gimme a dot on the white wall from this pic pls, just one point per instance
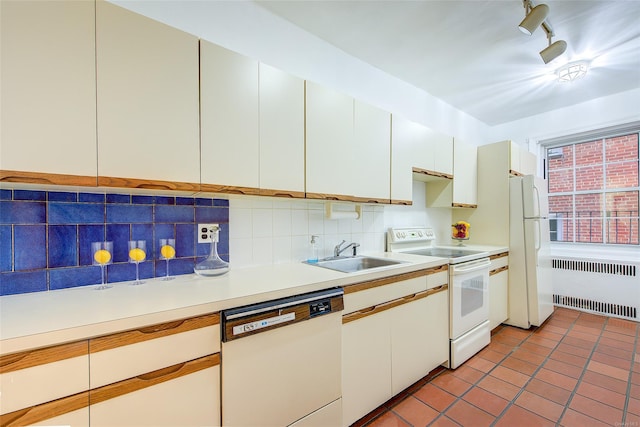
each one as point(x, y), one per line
point(266, 230)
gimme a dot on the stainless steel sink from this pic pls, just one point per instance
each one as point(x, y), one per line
point(355, 263)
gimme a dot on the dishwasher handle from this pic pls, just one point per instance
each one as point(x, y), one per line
point(257, 318)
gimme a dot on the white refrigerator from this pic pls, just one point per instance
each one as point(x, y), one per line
point(530, 286)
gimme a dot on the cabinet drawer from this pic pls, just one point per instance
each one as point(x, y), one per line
point(381, 294)
point(438, 279)
point(128, 354)
point(499, 261)
point(32, 377)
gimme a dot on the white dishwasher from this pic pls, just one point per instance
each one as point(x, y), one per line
point(281, 362)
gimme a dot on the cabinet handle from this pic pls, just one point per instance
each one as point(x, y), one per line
point(45, 411)
point(161, 327)
point(31, 358)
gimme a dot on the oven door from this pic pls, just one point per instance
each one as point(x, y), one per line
point(469, 295)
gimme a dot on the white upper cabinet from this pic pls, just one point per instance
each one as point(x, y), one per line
point(281, 132)
point(329, 143)
point(372, 153)
point(230, 152)
point(48, 118)
point(522, 161)
point(465, 174)
point(417, 148)
point(147, 90)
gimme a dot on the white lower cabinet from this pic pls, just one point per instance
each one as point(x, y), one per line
point(187, 400)
point(395, 340)
point(419, 338)
point(498, 290)
point(45, 386)
point(162, 375)
point(366, 365)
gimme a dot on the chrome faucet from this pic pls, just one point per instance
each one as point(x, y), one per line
point(339, 249)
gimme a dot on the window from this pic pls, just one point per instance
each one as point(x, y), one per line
point(594, 190)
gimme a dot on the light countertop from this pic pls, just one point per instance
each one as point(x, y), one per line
point(40, 319)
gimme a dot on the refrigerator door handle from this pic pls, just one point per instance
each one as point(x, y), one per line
point(537, 212)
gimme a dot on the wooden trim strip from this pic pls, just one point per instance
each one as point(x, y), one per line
point(229, 189)
point(431, 173)
point(282, 193)
point(498, 270)
point(349, 289)
point(371, 200)
point(46, 411)
point(370, 311)
point(151, 332)
point(150, 379)
point(109, 181)
point(500, 255)
point(31, 358)
point(325, 196)
point(464, 205)
point(47, 178)
point(515, 173)
point(402, 202)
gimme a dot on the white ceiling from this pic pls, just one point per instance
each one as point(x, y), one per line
point(471, 54)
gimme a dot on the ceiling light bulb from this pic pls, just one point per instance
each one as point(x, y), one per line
point(572, 71)
point(552, 51)
point(533, 19)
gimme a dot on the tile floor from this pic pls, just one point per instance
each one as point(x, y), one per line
point(578, 369)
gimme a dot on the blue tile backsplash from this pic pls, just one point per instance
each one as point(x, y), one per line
point(45, 236)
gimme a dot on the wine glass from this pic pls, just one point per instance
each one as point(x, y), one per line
point(137, 254)
point(102, 256)
point(167, 252)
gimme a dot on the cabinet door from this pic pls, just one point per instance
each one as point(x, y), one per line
point(406, 153)
point(330, 167)
point(147, 99)
point(465, 180)
point(45, 385)
point(498, 291)
point(419, 338)
point(229, 118)
point(372, 151)
point(189, 400)
point(48, 117)
point(441, 146)
point(281, 132)
point(366, 365)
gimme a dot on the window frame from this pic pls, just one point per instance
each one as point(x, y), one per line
point(585, 137)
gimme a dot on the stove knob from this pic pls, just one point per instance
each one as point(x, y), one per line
point(419, 233)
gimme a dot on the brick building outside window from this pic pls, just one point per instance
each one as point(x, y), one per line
point(594, 190)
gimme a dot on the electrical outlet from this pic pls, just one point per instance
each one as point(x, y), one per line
point(205, 232)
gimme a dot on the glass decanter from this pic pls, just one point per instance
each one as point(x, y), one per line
point(213, 265)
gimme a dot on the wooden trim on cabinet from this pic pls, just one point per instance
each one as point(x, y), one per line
point(47, 178)
point(464, 205)
point(120, 339)
point(325, 196)
point(499, 270)
point(515, 173)
point(500, 255)
point(431, 173)
point(371, 200)
point(402, 202)
point(229, 189)
point(348, 289)
point(369, 311)
point(31, 358)
point(146, 184)
point(150, 379)
point(45, 411)
point(282, 193)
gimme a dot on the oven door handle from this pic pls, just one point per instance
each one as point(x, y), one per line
point(468, 267)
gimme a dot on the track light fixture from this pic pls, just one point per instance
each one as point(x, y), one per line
point(534, 16)
point(554, 49)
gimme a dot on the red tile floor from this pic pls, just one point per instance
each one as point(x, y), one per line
point(577, 369)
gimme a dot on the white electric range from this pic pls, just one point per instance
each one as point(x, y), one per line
point(469, 329)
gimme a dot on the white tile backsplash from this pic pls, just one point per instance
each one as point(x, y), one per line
point(265, 230)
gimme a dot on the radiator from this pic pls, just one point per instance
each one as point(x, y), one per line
point(597, 286)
